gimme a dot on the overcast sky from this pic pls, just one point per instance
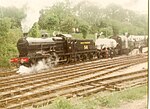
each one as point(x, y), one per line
point(136, 5)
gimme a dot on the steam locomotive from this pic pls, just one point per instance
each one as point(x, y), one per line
point(63, 48)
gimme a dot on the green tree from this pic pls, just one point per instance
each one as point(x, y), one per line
point(63, 17)
point(115, 30)
point(106, 31)
point(8, 47)
point(5, 24)
point(35, 32)
point(52, 21)
point(15, 14)
point(84, 28)
point(56, 16)
point(68, 24)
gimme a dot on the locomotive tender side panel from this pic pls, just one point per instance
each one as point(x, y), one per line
point(85, 45)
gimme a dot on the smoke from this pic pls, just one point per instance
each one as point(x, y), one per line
point(32, 9)
point(31, 18)
point(39, 67)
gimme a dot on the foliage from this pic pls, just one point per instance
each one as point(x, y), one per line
point(80, 36)
point(8, 48)
point(84, 30)
point(15, 14)
point(68, 24)
point(106, 31)
point(5, 25)
point(57, 18)
point(115, 99)
point(62, 103)
point(101, 100)
point(10, 22)
point(89, 18)
point(34, 31)
point(115, 30)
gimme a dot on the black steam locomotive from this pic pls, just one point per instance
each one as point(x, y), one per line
point(61, 48)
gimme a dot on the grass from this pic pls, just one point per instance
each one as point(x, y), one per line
point(115, 99)
point(103, 99)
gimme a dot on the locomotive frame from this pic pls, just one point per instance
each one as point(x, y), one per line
point(64, 49)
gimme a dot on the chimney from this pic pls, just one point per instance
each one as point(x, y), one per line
point(25, 34)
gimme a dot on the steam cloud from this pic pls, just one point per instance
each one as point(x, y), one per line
point(34, 69)
point(32, 11)
point(40, 66)
point(31, 18)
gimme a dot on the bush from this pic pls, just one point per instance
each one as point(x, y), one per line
point(62, 103)
point(8, 47)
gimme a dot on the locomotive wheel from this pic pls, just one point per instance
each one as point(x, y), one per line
point(84, 57)
point(98, 55)
point(90, 56)
point(78, 58)
point(54, 59)
point(68, 59)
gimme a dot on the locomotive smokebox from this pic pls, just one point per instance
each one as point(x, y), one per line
point(25, 34)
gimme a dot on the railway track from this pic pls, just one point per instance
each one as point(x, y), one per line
point(70, 67)
point(20, 91)
point(54, 74)
point(8, 73)
point(13, 72)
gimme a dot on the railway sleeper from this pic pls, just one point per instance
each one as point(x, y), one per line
point(60, 93)
point(24, 98)
point(110, 87)
point(47, 101)
point(104, 79)
point(77, 92)
point(95, 84)
point(30, 102)
point(41, 104)
point(126, 79)
point(28, 89)
point(131, 56)
point(93, 89)
point(14, 93)
point(74, 92)
point(12, 101)
point(11, 79)
point(131, 84)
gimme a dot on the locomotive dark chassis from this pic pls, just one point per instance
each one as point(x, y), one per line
point(61, 49)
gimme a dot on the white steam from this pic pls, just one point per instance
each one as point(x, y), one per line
point(31, 18)
point(32, 10)
point(39, 67)
point(34, 69)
